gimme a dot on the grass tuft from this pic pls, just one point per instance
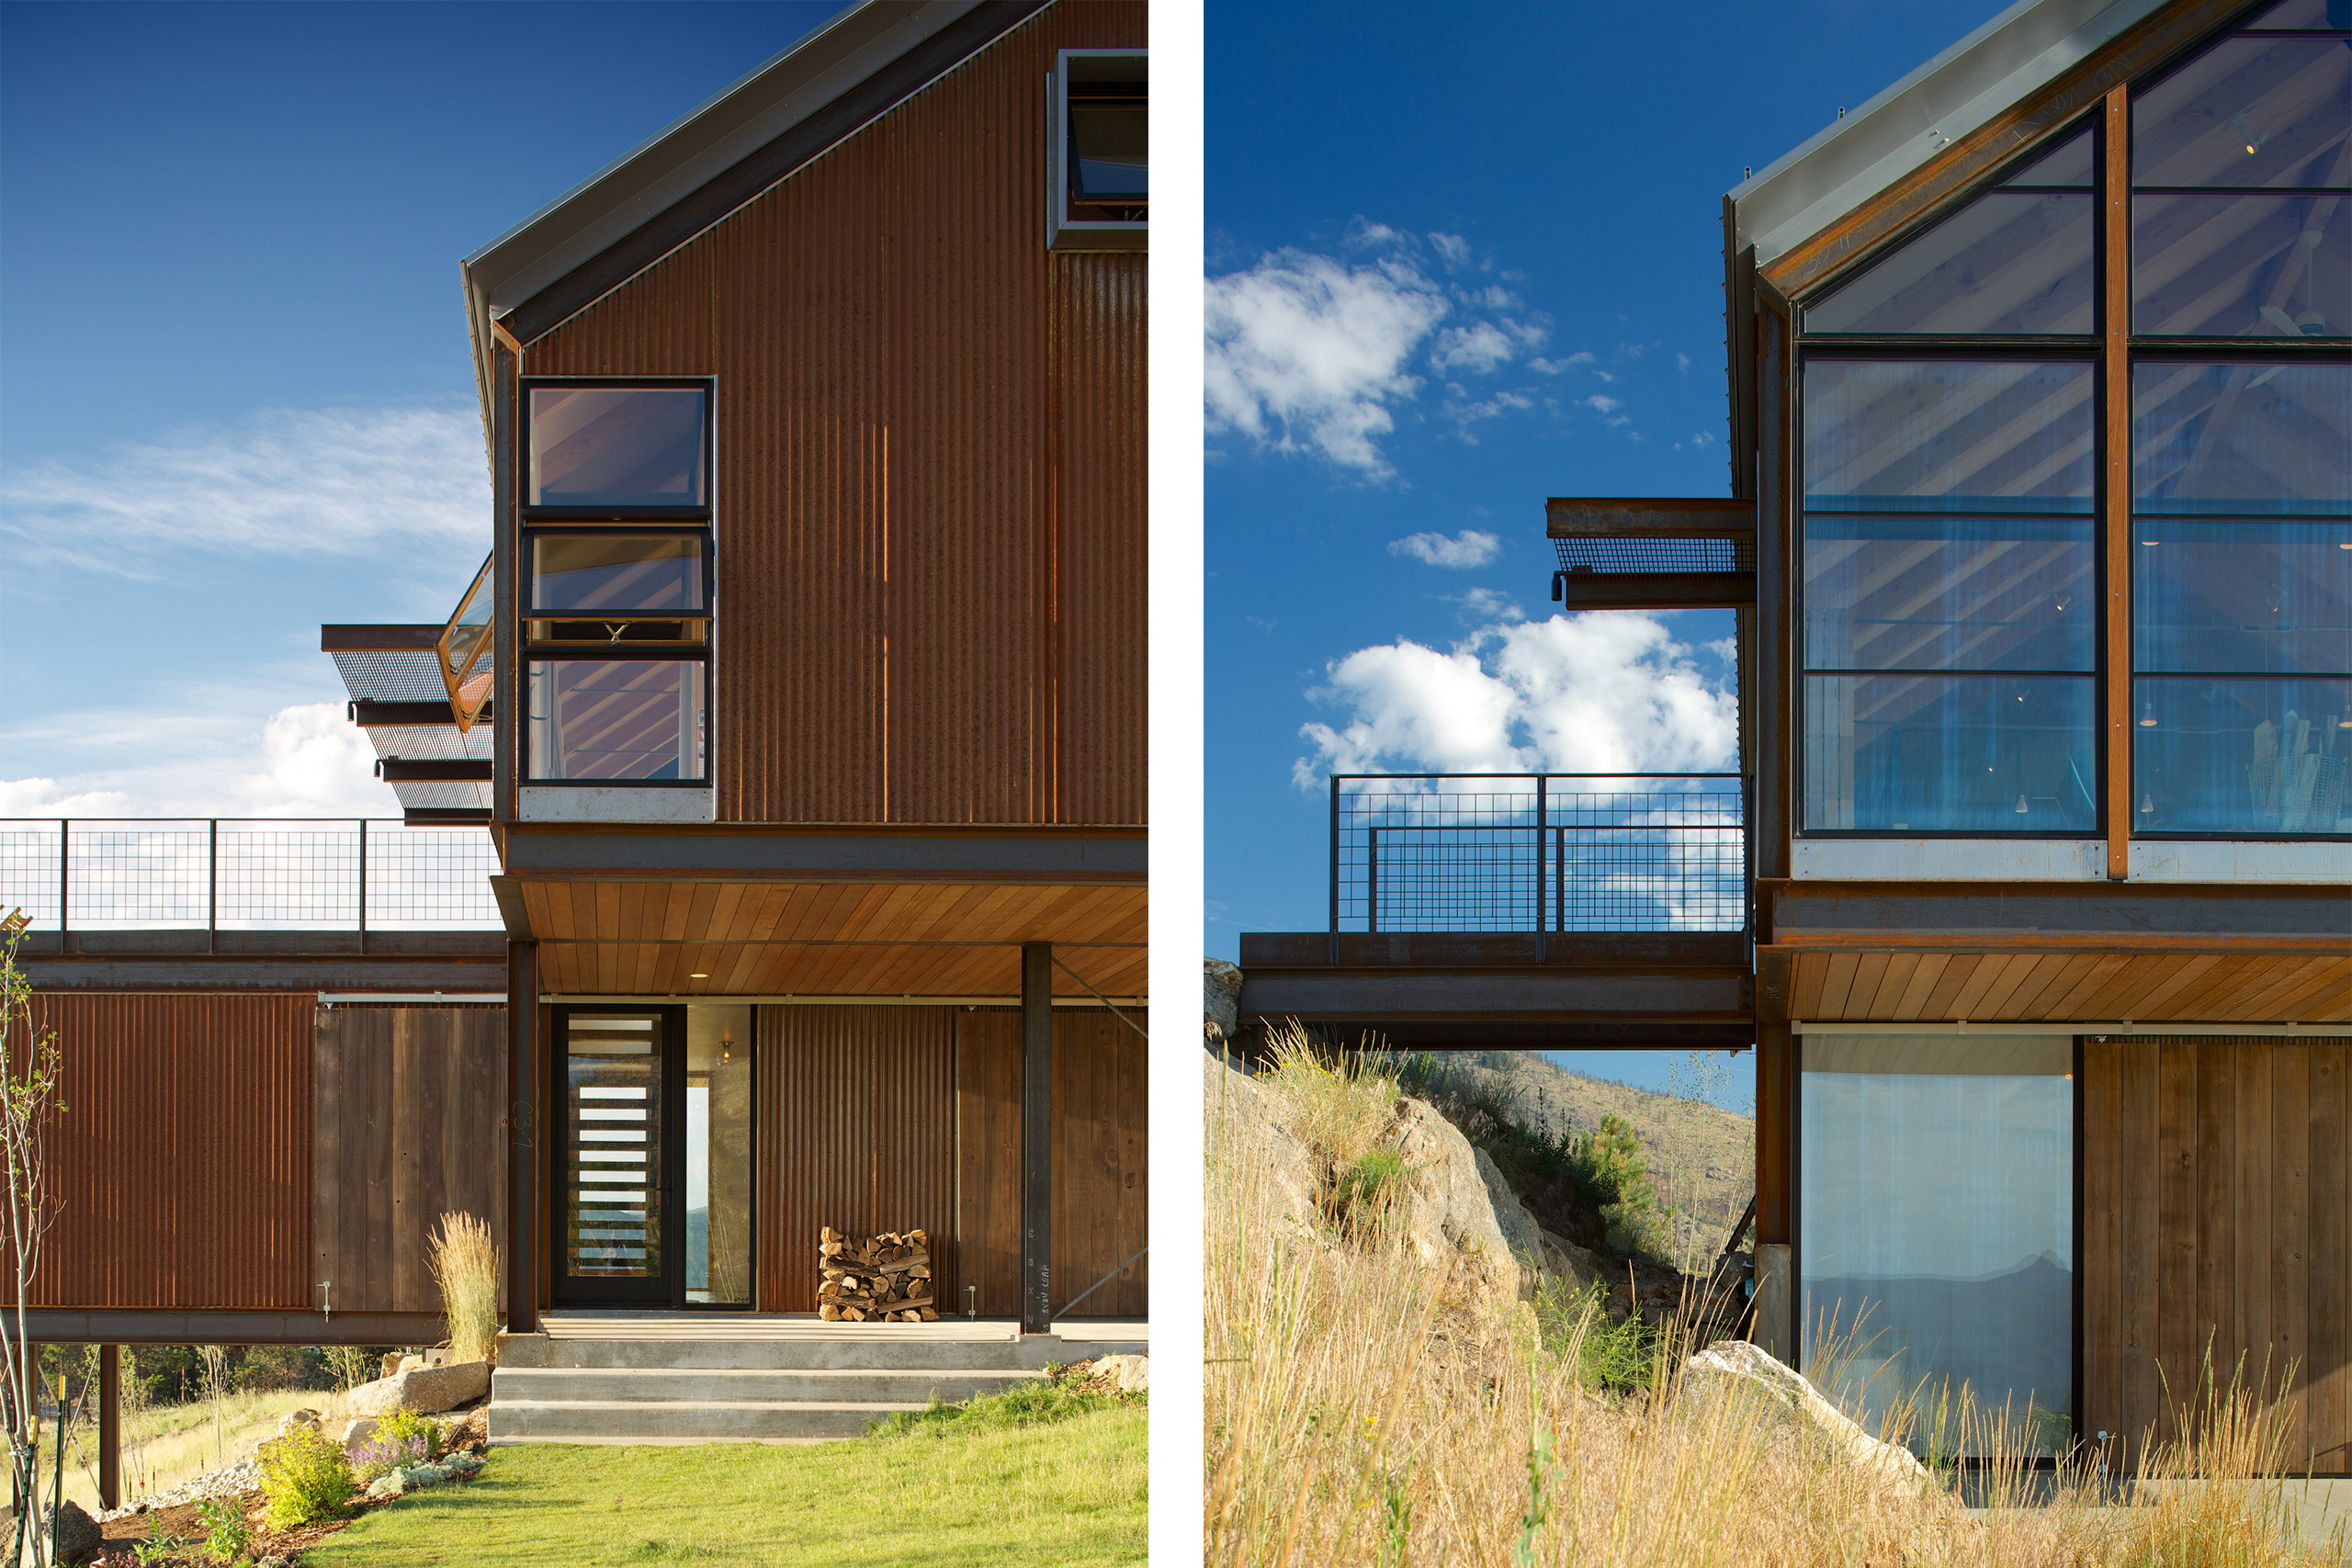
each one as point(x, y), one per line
point(465, 1265)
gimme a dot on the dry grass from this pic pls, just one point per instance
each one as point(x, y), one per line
point(465, 1265)
point(165, 1445)
point(1357, 1416)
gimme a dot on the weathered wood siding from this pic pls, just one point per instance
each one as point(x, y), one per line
point(410, 1109)
point(2217, 1213)
point(1100, 1141)
point(988, 1160)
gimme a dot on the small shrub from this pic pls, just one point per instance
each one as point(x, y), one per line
point(1611, 1169)
point(305, 1478)
point(1036, 1403)
point(1366, 1185)
point(406, 1426)
point(1613, 1358)
point(380, 1456)
point(227, 1537)
point(465, 1265)
point(158, 1548)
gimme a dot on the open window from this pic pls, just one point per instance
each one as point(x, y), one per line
point(611, 587)
point(464, 652)
point(1097, 169)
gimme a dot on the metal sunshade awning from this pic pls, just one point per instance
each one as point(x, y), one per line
point(384, 665)
point(1647, 553)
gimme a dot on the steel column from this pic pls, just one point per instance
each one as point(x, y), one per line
point(522, 1140)
point(110, 1425)
point(1036, 1136)
point(2115, 373)
point(363, 885)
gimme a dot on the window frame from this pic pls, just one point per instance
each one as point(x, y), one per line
point(528, 512)
point(1064, 233)
point(657, 653)
point(530, 612)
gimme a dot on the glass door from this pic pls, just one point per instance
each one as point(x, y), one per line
point(619, 1202)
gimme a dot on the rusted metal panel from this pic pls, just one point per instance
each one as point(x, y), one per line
point(929, 496)
point(857, 1131)
point(184, 1160)
point(1101, 1194)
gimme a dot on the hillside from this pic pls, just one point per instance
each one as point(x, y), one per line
point(1701, 1157)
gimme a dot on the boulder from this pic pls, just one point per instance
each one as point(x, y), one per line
point(293, 1419)
point(420, 1388)
point(358, 1431)
point(1131, 1373)
point(1442, 1207)
point(1240, 1115)
point(1736, 1363)
point(1220, 1000)
point(78, 1535)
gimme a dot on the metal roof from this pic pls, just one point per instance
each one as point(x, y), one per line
point(1851, 159)
point(674, 163)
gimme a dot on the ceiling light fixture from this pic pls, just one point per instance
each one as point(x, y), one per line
point(2021, 805)
point(2148, 715)
point(698, 974)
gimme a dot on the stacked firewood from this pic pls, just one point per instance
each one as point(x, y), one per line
point(869, 1278)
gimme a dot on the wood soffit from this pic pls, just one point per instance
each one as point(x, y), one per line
point(1918, 197)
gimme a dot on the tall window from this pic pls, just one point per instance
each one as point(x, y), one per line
point(617, 581)
point(2242, 434)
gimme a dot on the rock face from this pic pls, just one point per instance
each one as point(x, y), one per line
point(296, 1418)
point(1575, 1266)
point(78, 1535)
point(1131, 1372)
point(1220, 1000)
point(1238, 1109)
point(422, 1388)
point(1736, 1363)
point(358, 1431)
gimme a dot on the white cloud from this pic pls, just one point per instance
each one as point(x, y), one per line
point(45, 797)
point(201, 758)
point(1600, 692)
point(1470, 549)
point(337, 482)
point(1306, 353)
point(1478, 348)
point(1453, 248)
point(1560, 366)
point(1601, 403)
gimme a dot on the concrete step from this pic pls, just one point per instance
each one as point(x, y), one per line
point(660, 1385)
point(632, 1421)
point(1031, 1353)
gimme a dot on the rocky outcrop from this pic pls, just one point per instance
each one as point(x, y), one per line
point(1240, 1115)
point(420, 1388)
point(79, 1539)
point(1537, 1249)
point(1734, 1364)
point(1220, 1000)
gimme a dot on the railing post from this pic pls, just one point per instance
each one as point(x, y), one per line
point(1371, 880)
point(1542, 871)
point(363, 885)
point(1334, 937)
point(211, 882)
point(64, 858)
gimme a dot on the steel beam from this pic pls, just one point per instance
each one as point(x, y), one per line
point(1558, 996)
point(2140, 916)
point(737, 852)
point(1655, 590)
point(1494, 949)
point(143, 1326)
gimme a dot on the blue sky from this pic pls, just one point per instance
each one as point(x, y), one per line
point(235, 398)
point(1462, 260)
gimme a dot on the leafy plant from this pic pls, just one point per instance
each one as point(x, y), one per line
point(1610, 1166)
point(380, 1456)
point(465, 1265)
point(411, 1426)
point(1365, 1186)
point(1609, 1357)
point(158, 1548)
point(305, 1478)
point(227, 1537)
point(32, 1073)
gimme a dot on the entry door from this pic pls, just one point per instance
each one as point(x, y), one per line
point(621, 1221)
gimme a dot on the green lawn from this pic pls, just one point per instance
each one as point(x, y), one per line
point(1070, 1492)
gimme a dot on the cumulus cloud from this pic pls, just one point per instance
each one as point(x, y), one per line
point(1478, 348)
point(1469, 548)
point(1307, 354)
point(1601, 403)
point(198, 758)
point(335, 482)
point(1603, 692)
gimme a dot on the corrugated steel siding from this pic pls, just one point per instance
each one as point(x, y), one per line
point(930, 474)
point(183, 1156)
point(857, 1131)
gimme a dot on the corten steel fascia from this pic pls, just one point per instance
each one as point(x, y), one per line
point(1598, 995)
point(433, 770)
point(735, 852)
point(189, 942)
point(1493, 950)
point(104, 1325)
point(1648, 517)
point(678, 183)
point(1656, 589)
point(1521, 1035)
point(424, 977)
point(375, 713)
point(2205, 917)
point(349, 639)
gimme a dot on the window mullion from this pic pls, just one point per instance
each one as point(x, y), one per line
point(2115, 321)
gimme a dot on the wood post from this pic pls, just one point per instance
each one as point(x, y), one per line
point(1775, 1129)
point(522, 1136)
point(110, 1425)
point(1036, 1136)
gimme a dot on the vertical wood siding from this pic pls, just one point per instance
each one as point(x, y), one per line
point(857, 1131)
point(988, 1160)
point(1099, 1142)
point(183, 1160)
point(2215, 1204)
point(410, 1108)
point(930, 488)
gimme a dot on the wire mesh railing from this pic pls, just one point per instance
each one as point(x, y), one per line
point(1548, 853)
point(231, 874)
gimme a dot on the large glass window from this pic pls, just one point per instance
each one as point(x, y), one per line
point(610, 449)
point(1949, 602)
point(1936, 1228)
point(718, 1155)
point(616, 720)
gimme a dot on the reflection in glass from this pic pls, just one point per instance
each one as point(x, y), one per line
point(1948, 435)
point(2241, 265)
point(1937, 1190)
point(2250, 597)
point(2312, 15)
point(1110, 150)
point(2068, 164)
point(2005, 262)
point(1996, 754)
point(613, 1123)
point(718, 1154)
point(616, 447)
point(2249, 112)
point(617, 572)
point(2217, 755)
point(2241, 437)
point(463, 650)
point(616, 719)
point(1912, 593)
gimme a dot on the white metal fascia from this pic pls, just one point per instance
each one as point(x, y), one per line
point(679, 160)
point(1849, 162)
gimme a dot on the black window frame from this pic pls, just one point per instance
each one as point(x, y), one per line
point(1078, 68)
point(639, 653)
point(532, 612)
point(528, 512)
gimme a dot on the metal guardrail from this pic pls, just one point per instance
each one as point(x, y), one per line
point(1544, 853)
point(246, 873)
